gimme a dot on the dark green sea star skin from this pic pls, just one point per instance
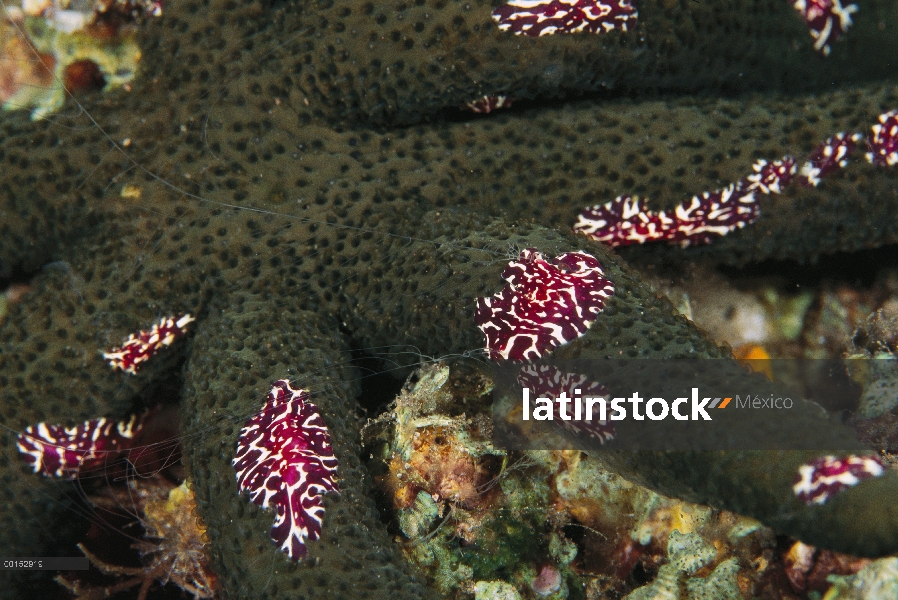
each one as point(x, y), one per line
point(362, 237)
point(398, 61)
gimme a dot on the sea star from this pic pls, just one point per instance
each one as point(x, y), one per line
point(234, 183)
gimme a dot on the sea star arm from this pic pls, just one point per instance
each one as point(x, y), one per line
point(245, 344)
point(232, 114)
point(635, 322)
point(399, 63)
point(52, 371)
point(450, 258)
point(860, 520)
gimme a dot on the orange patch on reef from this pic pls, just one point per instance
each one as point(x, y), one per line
point(442, 467)
point(756, 358)
point(809, 569)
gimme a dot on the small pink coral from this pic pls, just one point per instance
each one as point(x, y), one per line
point(547, 17)
point(284, 460)
point(547, 582)
point(883, 140)
point(823, 478)
point(827, 20)
point(545, 304)
point(67, 452)
point(142, 346)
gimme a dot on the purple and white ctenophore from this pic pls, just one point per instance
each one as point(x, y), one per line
point(626, 220)
point(143, 345)
point(548, 17)
point(285, 461)
point(545, 304)
point(67, 452)
point(827, 20)
point(824, 477)
point(547, 381)
point(883, 140)
point(828, 157)
point(714, 214)
point(487, 104)
point(771, 177)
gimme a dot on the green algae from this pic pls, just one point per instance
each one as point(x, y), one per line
point(527, 512)
point(416, 522)
point(675, 580)
point(117, 59)
point(495, 590)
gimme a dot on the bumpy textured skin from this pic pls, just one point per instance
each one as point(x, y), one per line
point(397, 61)
point(566, 159)
point(253, 339)
point(368, 231)
point(758, 484)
